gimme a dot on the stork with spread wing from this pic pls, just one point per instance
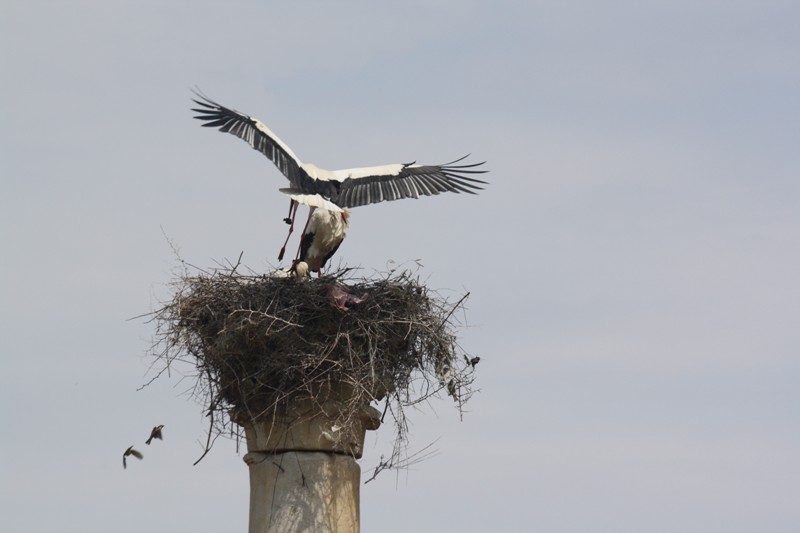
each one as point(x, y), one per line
point(337, 190)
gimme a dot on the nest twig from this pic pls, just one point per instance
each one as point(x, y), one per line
point(259, 344)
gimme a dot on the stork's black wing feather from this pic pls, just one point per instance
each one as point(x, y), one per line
point(305, 244)
point(257, 135)
point(409, 181)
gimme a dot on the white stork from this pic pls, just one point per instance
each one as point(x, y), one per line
point(332, 191)
point(325, 231)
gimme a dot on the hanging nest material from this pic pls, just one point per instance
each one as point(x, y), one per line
point(261, 344)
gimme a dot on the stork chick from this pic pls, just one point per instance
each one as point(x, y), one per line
point(301, 270)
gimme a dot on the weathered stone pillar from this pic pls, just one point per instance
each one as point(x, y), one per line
point(303, 471)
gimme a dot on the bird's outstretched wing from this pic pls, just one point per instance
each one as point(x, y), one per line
point(346, 188)
point(259, 136)
point(362, 186)
point(130, 451)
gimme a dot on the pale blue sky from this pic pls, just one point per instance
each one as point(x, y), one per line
point(633, 264)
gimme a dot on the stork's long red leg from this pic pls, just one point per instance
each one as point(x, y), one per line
point(289, 220)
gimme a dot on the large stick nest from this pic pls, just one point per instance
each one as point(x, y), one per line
point(260, 343)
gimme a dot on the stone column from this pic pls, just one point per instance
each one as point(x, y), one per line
point(303, 471)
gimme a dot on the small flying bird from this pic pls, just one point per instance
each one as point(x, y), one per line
point(338, 189)
point(472, 362)
point(130, 451)
point(155, 434)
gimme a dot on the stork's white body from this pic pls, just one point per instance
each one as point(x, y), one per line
point(324, 233)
